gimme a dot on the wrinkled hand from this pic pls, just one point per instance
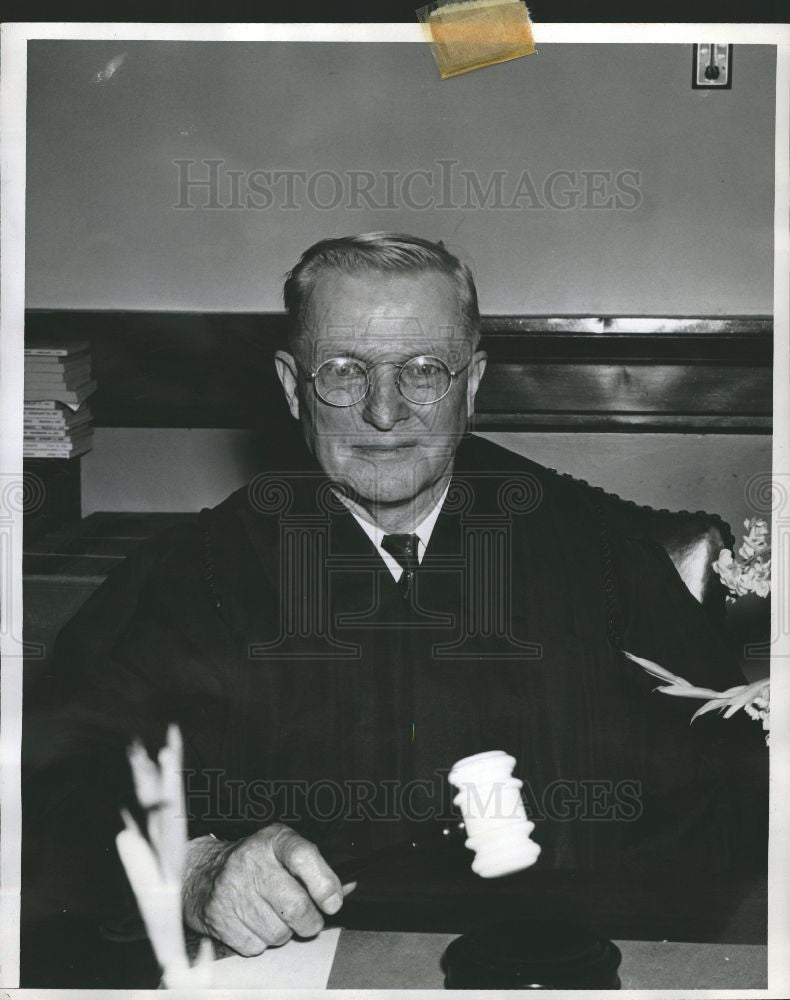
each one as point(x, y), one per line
point(259, 891)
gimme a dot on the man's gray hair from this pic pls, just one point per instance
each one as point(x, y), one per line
point(381, 251)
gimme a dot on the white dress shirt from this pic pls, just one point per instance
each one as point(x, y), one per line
point(423, 531)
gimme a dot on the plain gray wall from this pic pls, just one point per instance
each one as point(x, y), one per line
point(181, 469)
point(103, 231)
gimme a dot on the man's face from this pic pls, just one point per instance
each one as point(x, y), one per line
point(385, 448)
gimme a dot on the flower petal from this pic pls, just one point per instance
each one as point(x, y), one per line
point(657, 671)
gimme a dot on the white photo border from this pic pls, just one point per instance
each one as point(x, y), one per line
point(13, 90)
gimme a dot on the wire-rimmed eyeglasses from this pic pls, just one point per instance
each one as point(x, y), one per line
point(344, 381)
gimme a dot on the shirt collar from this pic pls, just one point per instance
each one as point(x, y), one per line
point(423, 531)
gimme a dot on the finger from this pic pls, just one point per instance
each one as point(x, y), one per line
point(235, 933)
point(292, 904)
point(245, 942)
point(239, 914)
point(260, 917)
point(303, 859)
point(349, 887)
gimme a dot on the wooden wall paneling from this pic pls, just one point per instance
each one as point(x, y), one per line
point(214, 370)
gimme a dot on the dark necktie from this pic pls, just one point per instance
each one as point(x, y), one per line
point(403, 549)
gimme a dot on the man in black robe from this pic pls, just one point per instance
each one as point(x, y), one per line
point(332, 638)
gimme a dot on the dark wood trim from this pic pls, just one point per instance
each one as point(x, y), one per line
point(550, 373)
point(630, 325)
point(627, 340)
point(666, 423)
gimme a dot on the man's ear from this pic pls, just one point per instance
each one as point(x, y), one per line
point(476, 369)
point(288, 374)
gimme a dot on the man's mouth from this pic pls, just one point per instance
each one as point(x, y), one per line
point(384, 449)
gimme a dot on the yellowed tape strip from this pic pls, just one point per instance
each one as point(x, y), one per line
point(477, 33)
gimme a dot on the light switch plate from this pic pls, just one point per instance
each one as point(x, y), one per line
point(712, 66)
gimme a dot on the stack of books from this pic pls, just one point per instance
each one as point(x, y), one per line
point(57, 421)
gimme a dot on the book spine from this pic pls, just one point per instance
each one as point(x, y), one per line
point(55, 436)
point(40, 404)
point(72, 358)
point(36, 393)
point(69, 398)
point(50, 409)
point(55, 385)
point(55, 365)
point(50, 453)
point(32, 422)
point(69, 385)
point(64, 351)
point(72, 371)
point(65, 447)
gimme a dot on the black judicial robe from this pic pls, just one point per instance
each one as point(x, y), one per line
point(308, 690)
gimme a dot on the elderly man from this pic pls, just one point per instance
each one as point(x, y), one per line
point(403, 594)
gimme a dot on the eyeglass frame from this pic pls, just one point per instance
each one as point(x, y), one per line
point(453, 373)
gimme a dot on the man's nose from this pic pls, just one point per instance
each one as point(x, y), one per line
point(384, 405)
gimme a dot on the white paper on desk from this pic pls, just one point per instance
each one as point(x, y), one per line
point(295, 965)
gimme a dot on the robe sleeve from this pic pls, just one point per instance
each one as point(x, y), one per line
point(146, 649)
point(707, 779)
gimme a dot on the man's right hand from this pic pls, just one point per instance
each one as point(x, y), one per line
point(259, 891)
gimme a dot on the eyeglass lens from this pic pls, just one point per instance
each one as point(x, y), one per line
point(344, 381)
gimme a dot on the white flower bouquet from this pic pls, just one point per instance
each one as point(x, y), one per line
point(750, 571)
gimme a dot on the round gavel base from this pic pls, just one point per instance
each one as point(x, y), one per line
point(531, 954)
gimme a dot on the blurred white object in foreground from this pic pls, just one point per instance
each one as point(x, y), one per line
point(489, 798)
point(154, 864)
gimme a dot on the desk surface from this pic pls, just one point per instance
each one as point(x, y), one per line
point(399, 960)
point(675, 932)
point(437, 892)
